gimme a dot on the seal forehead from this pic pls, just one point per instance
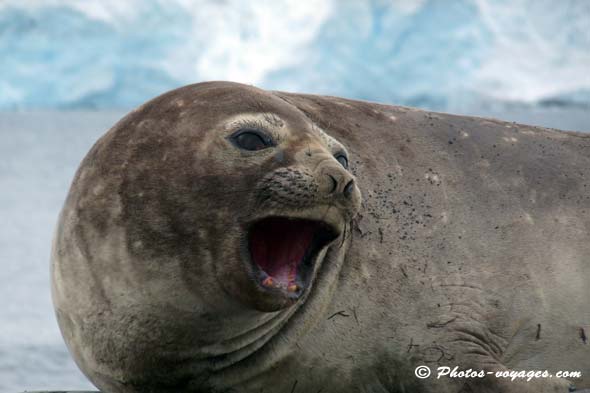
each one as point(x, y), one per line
point(233, 99)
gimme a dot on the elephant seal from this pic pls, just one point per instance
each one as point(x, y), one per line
point(216, 240)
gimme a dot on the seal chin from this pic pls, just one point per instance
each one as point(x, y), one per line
point(282, 253)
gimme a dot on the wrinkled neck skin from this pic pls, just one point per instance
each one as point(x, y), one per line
point(259, 339)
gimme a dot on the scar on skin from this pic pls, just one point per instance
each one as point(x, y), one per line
point(355, 316)
point(341, 313)
point(412, 345)
point(403, 271)
point(437, 325)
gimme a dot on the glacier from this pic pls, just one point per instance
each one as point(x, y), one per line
point(442, 55)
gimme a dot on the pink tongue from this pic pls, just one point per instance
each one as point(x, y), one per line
point(278, 246)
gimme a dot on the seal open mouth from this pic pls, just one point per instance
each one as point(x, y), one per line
point(283, 252)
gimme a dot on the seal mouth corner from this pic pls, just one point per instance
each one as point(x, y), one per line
point(283, 252)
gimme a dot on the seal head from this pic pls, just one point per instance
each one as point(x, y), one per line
point(250, 182)
point(191, 223)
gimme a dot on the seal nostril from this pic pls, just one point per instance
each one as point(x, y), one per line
point(348, 189)
point(334, 183)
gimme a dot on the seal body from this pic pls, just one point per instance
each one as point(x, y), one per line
point(215, 239)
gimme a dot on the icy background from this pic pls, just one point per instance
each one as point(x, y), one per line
point(445, 55)
point(70, 69)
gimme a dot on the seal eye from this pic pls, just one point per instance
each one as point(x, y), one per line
point(251, 139)
point(341, 158)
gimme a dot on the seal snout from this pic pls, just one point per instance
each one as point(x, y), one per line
point(341, 185)
point(283, 251)
point(337, 185)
